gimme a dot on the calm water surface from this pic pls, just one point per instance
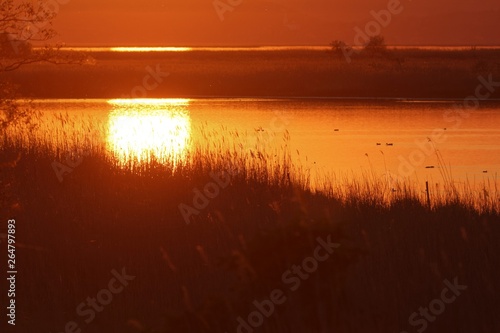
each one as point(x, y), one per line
point(401, 138)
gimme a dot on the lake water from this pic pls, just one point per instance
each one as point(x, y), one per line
point(399, 138)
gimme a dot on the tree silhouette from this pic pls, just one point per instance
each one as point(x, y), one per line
point(23, 23)
point(376, 45)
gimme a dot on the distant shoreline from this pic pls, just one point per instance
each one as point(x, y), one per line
point(298, 98)
point(295, 73)
point(401, 47)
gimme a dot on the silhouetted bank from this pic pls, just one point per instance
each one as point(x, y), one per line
point(291, 73)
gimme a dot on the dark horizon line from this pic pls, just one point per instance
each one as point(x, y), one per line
point(268, 98)
point(267, 45)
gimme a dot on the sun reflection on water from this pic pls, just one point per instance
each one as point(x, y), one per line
point(140, 130)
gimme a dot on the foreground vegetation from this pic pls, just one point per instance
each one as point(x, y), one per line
point(393, 258)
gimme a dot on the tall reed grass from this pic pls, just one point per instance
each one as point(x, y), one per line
point(395, 249)
point(253, 158)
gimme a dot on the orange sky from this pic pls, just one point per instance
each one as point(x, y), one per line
point(273, 22)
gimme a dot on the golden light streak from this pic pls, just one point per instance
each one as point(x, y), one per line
point(150, 49)
point(144, 102)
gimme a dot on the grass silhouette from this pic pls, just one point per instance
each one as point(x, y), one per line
point(395, 250)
